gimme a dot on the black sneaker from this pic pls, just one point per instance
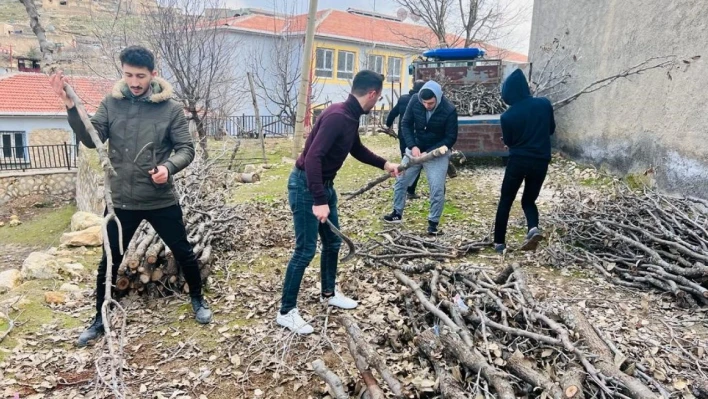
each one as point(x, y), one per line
point(412, 196)
point(393, 217)
point(532, 239)
point(500, 248)
point(433, 229)
point(94, 331)
point(202, 313)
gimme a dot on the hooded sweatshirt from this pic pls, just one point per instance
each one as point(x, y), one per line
point(528, 124)
point(429, 130)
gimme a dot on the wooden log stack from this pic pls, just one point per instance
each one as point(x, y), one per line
point(149, 266)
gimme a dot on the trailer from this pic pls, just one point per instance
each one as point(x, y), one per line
point(478, 135)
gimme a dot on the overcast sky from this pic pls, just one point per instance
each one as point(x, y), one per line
point(518, 41)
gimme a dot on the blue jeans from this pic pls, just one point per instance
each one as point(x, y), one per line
point(307, 228)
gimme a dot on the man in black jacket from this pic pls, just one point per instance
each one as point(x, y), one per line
point(430, 122)
point(527, 127)
point(399, 110)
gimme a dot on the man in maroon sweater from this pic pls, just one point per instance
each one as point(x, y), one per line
point(313, 199)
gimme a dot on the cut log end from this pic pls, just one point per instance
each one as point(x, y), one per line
point(122, 284)
point(248, 177)
point(571, 391)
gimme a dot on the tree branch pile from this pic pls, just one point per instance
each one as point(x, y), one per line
point(212, 225)
point(400, 250)
point(477, 99)
point(639, 240)
point(483, 334)
point(472, 99)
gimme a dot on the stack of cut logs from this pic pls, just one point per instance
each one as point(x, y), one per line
point(149, 266)
point(639, 240)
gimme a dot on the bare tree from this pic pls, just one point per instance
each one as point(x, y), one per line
point(435, 14)
point(276, 73)
point(463, 23)
point(557, 66)
point(195, 54)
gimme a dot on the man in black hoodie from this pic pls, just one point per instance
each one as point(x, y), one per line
point(399, 110)
point(527, 127)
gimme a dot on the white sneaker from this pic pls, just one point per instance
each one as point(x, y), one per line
point(294, 322)
point(340, 300)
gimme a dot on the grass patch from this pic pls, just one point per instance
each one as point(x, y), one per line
point(33, 313)
point(637, 181)
point(43, 230)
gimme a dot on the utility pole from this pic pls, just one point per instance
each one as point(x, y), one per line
point(302, 93)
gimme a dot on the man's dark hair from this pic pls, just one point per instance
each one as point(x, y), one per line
point(138, 56)
point(366, 81)
point(426, 94)
point(417, 85)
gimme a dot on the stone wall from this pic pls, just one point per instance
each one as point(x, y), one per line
point(656, 121)
point(89, 181)
point(20, 184)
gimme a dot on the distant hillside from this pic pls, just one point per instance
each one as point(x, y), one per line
point(86, 31)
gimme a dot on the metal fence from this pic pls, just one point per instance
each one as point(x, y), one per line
point(246, 126)
point(57, 156)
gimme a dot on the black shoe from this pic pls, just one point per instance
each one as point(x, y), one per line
point(433, 229)
point(412, 196)
point(202, 313)
point(532, 239)
point(393, 217)
point(94, 331)
point(500, 248)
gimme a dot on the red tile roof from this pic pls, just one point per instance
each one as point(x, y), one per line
point(345, 25)
point(30, 93)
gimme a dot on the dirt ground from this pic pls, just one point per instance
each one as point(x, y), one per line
point(244, 354)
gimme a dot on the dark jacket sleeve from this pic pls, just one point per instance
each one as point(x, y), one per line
point(407, 125)
point(182, 142)
point(507, 128)
point(553, 118)
point(99, 122)
point(363, 154)
point(320, 146)
point(395, 111)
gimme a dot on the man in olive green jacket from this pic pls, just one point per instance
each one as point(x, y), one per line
point(148, 143)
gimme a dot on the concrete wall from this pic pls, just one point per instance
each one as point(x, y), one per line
point(644, 121)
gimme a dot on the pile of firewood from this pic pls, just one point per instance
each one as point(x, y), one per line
point(213, 227)
point(480, 334)
point(638, 239)
point(475, 99)
point(472, 99)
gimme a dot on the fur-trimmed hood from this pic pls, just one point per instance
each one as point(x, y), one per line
point(161, 90)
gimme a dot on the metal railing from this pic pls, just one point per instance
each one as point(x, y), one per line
point(56, 156)
point(245, 126)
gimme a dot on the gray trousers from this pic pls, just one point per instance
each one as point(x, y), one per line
point(436, 172)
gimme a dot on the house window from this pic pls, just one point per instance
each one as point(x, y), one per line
point(323, 62)
point(375, 63)
point(394, 69)
point(345, 64)
point(12, 145)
